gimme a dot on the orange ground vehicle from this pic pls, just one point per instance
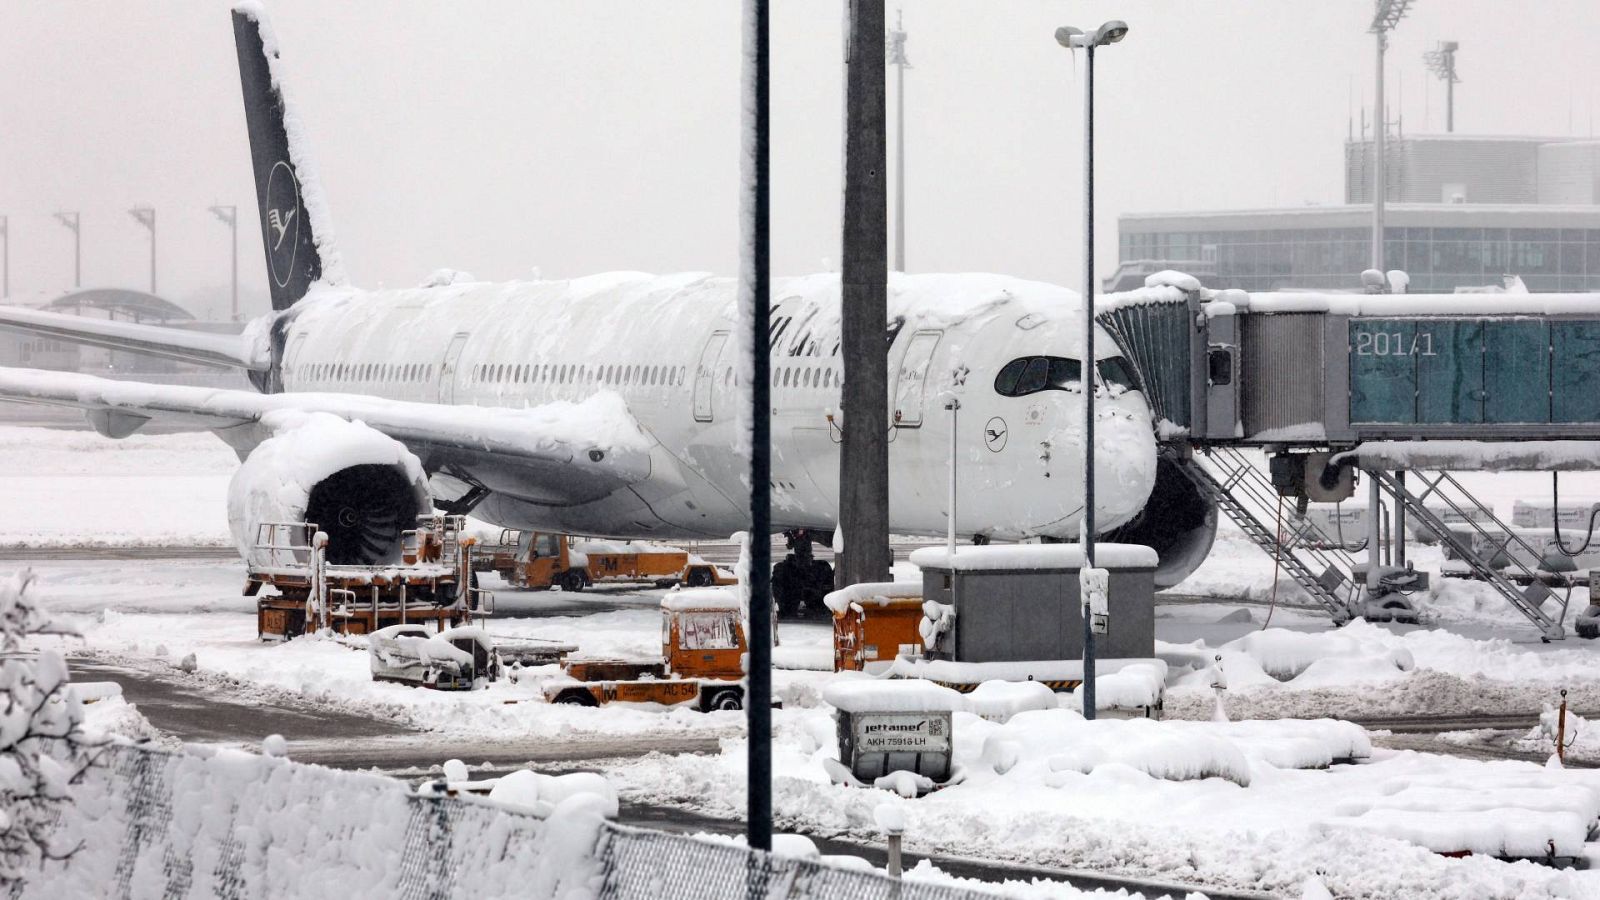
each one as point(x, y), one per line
point(432, 583)
point(703, 645)
point(540, 560)
point(874, 623)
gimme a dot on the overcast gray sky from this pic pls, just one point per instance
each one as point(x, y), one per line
point(497, 137)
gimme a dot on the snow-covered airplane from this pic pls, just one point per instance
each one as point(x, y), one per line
point(607, 404)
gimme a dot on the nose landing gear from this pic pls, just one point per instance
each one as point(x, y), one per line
point(800, 580)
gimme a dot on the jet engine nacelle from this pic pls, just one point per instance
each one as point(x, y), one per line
point(1177, 521)
point(360, 486)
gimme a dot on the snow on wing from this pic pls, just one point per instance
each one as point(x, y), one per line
point(565, 452)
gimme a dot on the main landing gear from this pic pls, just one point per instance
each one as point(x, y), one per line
point(800, 580)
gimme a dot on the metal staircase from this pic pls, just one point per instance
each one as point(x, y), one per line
point(1496, 535)
point(1240, 490)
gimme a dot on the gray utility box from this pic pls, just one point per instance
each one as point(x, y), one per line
point(894, 725)
point(873, 744)
point(1020, 602)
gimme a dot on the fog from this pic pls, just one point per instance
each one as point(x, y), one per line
point(507, 137)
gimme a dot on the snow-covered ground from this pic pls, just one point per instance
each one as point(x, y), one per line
point(1366, 830)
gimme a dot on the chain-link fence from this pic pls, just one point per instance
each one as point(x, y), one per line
point(233, 825)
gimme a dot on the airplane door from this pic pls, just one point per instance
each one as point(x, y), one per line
point(447, 368)
point(291, 359)
point(705, 375)
point(911, 378)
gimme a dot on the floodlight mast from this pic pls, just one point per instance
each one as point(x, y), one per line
point(1442, 63)
point(1386, 16)
point(1073, 39)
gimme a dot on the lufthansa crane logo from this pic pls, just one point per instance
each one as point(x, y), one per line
point(283, 222)
point(994, 434)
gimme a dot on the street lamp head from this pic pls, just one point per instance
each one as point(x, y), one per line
point(1069, 37)
point(1111, 32)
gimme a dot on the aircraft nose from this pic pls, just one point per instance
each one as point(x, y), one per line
point(1124, 464)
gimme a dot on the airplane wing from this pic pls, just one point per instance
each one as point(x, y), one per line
point(559, 453)
point(241, 351)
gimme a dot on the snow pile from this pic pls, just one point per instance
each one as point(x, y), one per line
point(1580, 737)
point(1532, 814)
point(998, 701)
point(195, 823)
point(1344, 656)
point(1135, 686)
point(549, 796)
point(1043, 745)
point(1296, 743)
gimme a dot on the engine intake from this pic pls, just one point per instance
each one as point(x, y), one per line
point(361, 487)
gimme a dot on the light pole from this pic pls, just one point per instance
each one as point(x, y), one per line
point(1442, 63)
point(70, 220)
point(146, 216)
point(1387, 15)
point(755, 288)
point(897, 58)
point(1074, 39)
point(229, 216)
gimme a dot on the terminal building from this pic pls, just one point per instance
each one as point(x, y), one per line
point(1461, 212)
point(35, 352)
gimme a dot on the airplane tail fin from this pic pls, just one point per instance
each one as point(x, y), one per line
point(294, 217)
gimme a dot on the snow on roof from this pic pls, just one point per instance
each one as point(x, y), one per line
point(687, 599)
point(1424, 304)
point(880, 592)
point(1034, 557)
point(1461, 456)
point(897, 695)
point(949, 672)
point(1170, 278)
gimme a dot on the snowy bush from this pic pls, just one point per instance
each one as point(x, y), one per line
point(43, 749)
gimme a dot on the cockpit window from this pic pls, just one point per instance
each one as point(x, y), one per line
point(1117, 375)
point(1065, 372)
point(1031, 374)
point(1005, 384)
point(1035, 377)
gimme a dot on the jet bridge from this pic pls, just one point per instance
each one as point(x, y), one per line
point(1392, 385)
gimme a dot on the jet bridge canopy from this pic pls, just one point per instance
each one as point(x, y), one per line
point(1340, 369)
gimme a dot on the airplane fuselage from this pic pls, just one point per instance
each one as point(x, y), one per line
point(669, 346)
